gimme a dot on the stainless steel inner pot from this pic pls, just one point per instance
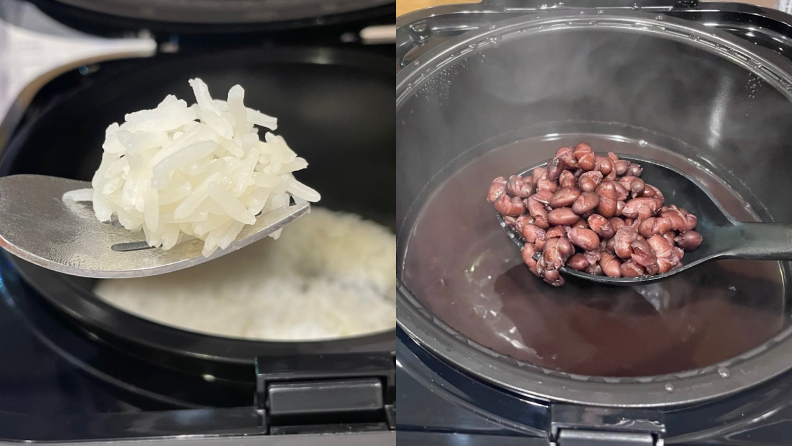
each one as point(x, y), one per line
point(491, 102)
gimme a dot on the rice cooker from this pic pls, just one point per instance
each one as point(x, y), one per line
point(77, 369)
point(490, 354)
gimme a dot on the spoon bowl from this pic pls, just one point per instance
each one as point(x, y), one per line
point(724, 237)
point(37, 225)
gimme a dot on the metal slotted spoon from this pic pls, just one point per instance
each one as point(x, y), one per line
point(65, 236)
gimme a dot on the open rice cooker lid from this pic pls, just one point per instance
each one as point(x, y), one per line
point(225, 11)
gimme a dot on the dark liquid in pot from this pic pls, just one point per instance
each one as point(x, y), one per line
point(462, 267)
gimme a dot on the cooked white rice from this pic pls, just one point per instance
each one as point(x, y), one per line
point(198, 170)
point(330, 275)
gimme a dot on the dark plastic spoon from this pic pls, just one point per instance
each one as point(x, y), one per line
point(724, 236)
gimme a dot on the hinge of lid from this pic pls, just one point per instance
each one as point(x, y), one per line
point(348, 392)
point(596, 426)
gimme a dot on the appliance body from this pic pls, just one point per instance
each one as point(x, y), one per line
point(462, 390)
point(78, 369)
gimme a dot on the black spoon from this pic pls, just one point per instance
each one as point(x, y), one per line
point(724, 237)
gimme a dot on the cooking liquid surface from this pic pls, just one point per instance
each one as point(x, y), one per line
point(464, 269)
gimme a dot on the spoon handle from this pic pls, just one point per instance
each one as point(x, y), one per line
point(757, 241)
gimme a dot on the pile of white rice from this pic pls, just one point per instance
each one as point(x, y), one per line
point(330, 275)
point(198, 170)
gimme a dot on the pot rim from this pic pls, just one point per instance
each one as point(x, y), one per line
point(691, 386)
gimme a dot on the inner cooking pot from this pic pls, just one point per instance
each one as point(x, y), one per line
point(490, 103)
point(332, 108)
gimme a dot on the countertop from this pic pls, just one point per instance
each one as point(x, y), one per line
point(405, 6)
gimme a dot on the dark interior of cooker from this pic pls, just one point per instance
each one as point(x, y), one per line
point(511, 106)
point(332, 108)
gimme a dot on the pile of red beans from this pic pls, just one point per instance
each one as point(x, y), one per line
point(595, 214)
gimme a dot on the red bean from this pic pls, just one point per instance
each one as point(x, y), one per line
point(496, 189)
point(578, 262)
point(518, 186)
point(610, 244)
point(538, 212)
point(625, 181)
point(596, 222)
point(587, 161)
point(689, 240)
point(580, 224)
point(690, 219)
point(514, 184)
point(619, 208)
point(582, 149)
point(562, 216)
point(663, 253)
point(660, 246)
point(637, 187)
point(677, 253)
point(543, 196)
point(557, 251)
point(657, 193)
point(647, 227)
point(584, 238)
point(640, 208)
point(590, 180)
point(532, 233)
point(554, 168)
point(643, 255)
point(634, 170)
point(585, 202)
point(662, 225)
point(623, 242)
point(617, 223)
point(521, 221)
point(566, 179)
point(553, 277)
point(678, 220)
point(603, 164)
point(631, 269)
point(669, 236)
point(546, 184)
point(610, 265)
point(540, 173)
point(527, 252)
point(607, 202)
point(621, 192)
point(564, 197)
point(621, 166)
point(593, 256)
point(566, 154)
point(607, 231)
point(510, 206)
point(556, 231)
point(594, 269)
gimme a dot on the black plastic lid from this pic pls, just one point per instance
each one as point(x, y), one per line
point(201, 16)
point(223, 11)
